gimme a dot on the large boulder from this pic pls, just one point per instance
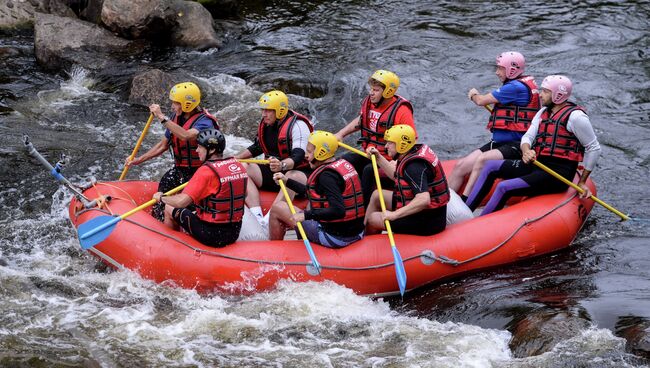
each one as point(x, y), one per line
point(152, 86)
point(151, 19)
point(20, 13)
point(60, 42)
point(195, 27)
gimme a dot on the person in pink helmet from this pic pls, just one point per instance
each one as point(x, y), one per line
point(515, 104)
point(560, 136)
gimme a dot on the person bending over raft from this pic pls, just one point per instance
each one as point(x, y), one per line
point(418, 204)
point(217, 189)
point(335, 215)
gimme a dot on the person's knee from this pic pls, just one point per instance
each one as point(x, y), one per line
point(296, 175)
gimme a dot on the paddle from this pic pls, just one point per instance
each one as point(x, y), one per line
point(623, 216)
point(399, 264)
point(253, 161)
point(96, 230)
point(300, 228)
point(350, 148)
point(137, 145)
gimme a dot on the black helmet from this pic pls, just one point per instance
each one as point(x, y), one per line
point(212, 139)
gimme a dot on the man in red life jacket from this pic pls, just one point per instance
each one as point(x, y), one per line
point(216, 193)
point(182, 128)
point(560, 136)
point(282, 137)
point(418, 204)
point(335, 215)
point(515, 104)
point(380, 110)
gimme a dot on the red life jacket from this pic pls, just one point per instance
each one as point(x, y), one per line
point(438, 190)
point(184, 152)
point(352, 194)
point(554, 140)
point(516, 118)
point(226, 204)
point(284, 137)
point(385, 122)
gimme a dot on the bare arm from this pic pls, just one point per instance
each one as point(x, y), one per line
point(388, 166)
point(352, 127)
point(180, 200)
point(419, 203)
point(244, 154)
point(181, 133)
point(479, 99)
point(155, 151)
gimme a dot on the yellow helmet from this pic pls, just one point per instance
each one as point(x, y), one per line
point(325, 144)
point(390, 81)
point(402, 135)
point(187, 94)
point(275, 100)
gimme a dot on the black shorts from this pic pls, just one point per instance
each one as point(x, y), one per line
point(427, 222)
point(170, 180)
point(267, 177)
point(210, 234)
point(510, 150)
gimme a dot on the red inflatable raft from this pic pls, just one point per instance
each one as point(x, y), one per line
point(525, 229)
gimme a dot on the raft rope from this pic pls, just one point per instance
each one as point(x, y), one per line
point(441, 258)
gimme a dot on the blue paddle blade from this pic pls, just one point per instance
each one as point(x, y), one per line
point(399, 271)
point(96, 230)
point(312, 255)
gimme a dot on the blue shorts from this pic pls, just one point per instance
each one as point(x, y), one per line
point(316, 234)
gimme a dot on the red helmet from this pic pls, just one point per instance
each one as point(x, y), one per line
point(560, 87)
point(514, 63)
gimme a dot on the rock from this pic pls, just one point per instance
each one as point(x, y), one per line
point(151, 86)
point(222, 9)
point(540, 331)
point(16, 14)
point(60, 42)
point(293, 84)
point(90, 10)
point(7, 52)
point(140, 19)
point(195, 26)
point(636, 331)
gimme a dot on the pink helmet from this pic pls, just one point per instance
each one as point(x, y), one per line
point(514, 63)
point(560, 87)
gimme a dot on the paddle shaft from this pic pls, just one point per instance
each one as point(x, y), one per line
point(623, 216)
point(253, 161)
point(355, 150)
point(129, 213)
point(310, 251)
point(382, 203)
point(137, 145)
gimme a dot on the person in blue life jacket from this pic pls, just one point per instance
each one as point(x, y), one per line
point(334, 218)
point(560, 137)
point(188, 119)
point(418, 203)
point(515, 104)
point(211, 206)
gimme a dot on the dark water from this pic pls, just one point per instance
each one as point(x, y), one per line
point(61, 309)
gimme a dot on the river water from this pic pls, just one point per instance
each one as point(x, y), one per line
point(61, 308)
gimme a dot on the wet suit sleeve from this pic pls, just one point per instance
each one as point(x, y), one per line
point(255, 149)
point(331, 185)
point(297, 187)
point(417, 175)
